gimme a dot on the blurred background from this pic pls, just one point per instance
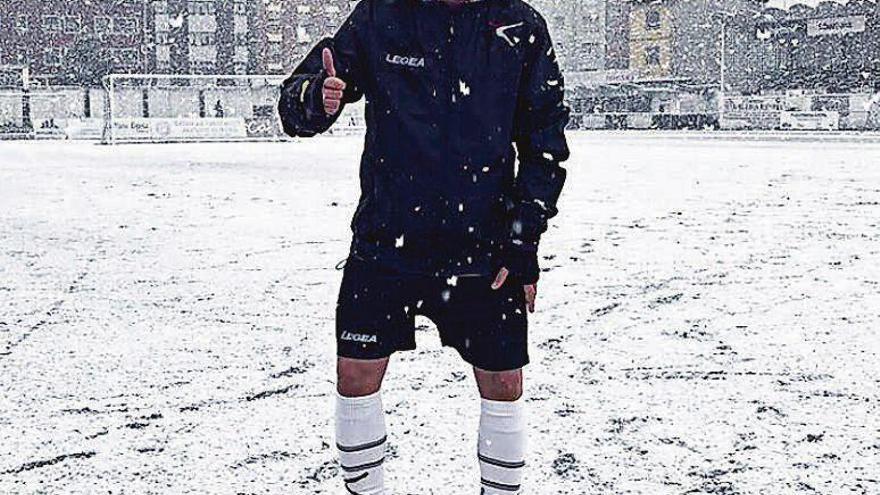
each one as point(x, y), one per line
point(89, 69)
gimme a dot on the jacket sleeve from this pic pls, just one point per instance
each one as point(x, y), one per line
point(301, 105)
point(539, 134)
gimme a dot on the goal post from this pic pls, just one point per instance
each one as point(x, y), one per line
point(184, 108)
point(194, 108)
point(15, 114)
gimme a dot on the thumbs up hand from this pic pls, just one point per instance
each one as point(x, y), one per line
point(333, 86)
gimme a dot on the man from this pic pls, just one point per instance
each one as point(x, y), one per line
point(446, 226)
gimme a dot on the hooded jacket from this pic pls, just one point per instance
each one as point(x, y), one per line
point(465, 131)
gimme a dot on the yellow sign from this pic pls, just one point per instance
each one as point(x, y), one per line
point(651, 32)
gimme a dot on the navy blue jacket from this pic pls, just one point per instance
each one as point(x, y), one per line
point(449, 91)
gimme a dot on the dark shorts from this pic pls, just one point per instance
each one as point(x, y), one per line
point(375, 316)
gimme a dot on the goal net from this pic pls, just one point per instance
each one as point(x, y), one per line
point(192, 108)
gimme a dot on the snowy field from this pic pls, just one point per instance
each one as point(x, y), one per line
point(708, 323)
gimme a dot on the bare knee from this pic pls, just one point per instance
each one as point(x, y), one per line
point(357, 377)
point(506, 386)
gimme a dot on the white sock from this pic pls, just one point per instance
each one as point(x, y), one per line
point(502, 446)
point(360, 438)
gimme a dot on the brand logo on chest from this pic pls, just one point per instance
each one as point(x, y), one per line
point(404, 60)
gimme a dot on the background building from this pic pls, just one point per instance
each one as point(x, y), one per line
point(74, 42)
point(620, 57)
point(307, 21)
point(578, 30)
point(833, 47)
point(202, 36)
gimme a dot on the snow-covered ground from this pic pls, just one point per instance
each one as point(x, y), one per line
point(708, 323)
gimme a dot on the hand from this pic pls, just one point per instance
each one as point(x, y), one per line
point(531, 290)
point(333, 86)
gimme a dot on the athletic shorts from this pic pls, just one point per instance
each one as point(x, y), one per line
point(376, 310)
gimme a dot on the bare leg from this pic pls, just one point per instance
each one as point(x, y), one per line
point(504, 386)
point(359, 377)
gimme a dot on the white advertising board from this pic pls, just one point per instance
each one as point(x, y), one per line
point(836, 25)
point(179, 129)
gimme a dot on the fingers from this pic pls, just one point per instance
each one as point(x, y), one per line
point(333, 92)
point(334, 83)
point(331, 107)
point(333, 86)
point(500, 278)
point(327, 55)
point(531, 292)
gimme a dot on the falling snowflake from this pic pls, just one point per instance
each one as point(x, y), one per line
point(517, 227)
point(399, 242)
point(464, 88)
point(452, 281)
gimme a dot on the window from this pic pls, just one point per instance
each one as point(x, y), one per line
point(652, 55)
point(160, 6)
point(125, 25)
point(239, 8)
point(274, 51)
point(102, 24)
point(202, 39)
point(72, 24)
point(126, 57)
point(302, 35)
point(652, 19)
point(202, 67)
point(241, 38)
point(52, 57)
point(53, 23)
point(201, 8)
point(21, 23)
point(163, 37)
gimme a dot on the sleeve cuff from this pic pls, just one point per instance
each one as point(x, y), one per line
point(522, 262)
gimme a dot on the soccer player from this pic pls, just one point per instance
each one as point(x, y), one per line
point(448, 222)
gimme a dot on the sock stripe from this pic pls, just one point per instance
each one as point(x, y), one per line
point(363, 467)
point(500, 486)
point(364, 446)
point(357, 478)
point(500, 463)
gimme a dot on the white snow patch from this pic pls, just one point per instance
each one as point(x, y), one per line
point(700, 283)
